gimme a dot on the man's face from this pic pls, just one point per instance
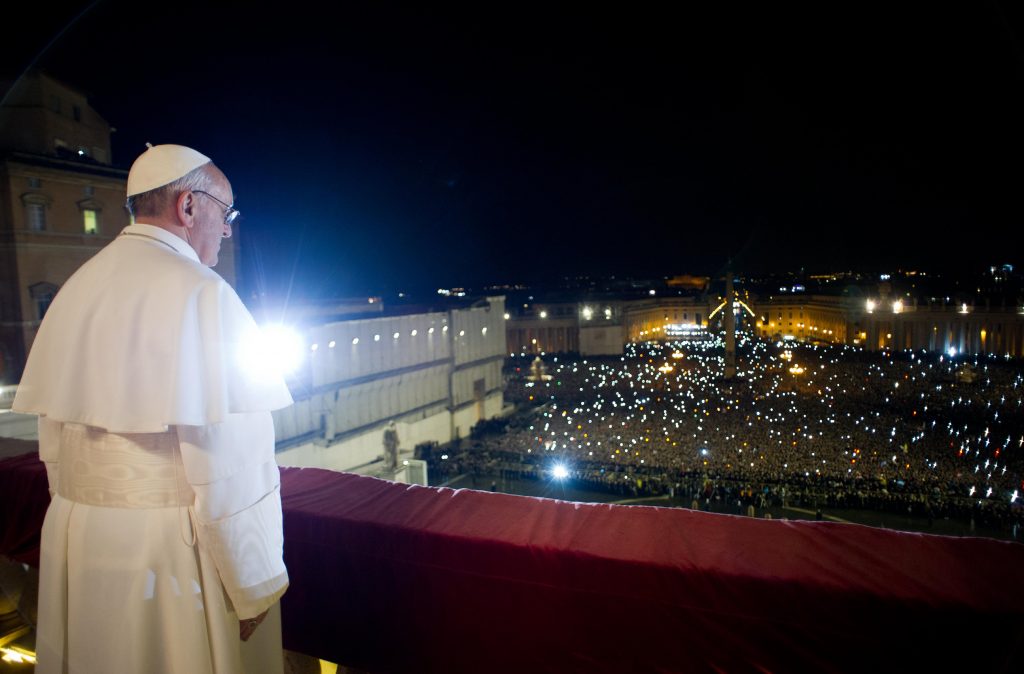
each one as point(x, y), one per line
point(209, 228)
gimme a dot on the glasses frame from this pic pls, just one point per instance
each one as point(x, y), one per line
point(230, 212)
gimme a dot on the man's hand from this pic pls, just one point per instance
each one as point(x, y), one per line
point(248, 626)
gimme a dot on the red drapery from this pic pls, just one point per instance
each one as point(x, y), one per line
point(390, 577)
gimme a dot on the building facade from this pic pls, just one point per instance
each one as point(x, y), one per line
point(434, 375)
point(602, 327)
point(61, 201)
point(808, 318)
point(882, 322)
point(874, 322)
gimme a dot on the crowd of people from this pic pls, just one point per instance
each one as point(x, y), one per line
point(805, 425)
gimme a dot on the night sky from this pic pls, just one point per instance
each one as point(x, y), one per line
point(376, 147)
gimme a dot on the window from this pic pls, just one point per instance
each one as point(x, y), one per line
point(34, 183)
point(76, 112)
point(42, 294)
point(90, 219)
point(42, 305)
point(90, 209)
point(35, 205)
point(89, 191)
point(36, 214)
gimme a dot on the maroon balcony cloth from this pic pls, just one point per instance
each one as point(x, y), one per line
point(395, 578)
point(24, 498)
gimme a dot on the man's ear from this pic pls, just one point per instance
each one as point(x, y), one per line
point(185, 208)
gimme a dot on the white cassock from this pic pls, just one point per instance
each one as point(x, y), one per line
point(165, 521)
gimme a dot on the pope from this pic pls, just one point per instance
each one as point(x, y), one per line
point(162, 545)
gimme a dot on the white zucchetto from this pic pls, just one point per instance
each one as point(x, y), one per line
point(162, 164)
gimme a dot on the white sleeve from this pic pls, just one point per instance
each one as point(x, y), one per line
point(49, 450)
point(232, 470)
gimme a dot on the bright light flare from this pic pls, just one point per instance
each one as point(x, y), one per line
point(17, 656)
point(275, 350)
point(560, 471)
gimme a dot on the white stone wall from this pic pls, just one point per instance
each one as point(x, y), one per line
point(20, 426)
point(352, 452)
point(412, 369)
point(368, 347)
point(479, 333)
point(465, 418)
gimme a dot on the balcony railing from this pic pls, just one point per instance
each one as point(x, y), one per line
point(388, 577)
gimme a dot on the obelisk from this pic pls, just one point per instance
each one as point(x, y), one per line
point(730, 327)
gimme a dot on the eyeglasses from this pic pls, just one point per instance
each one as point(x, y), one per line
point(230, 212)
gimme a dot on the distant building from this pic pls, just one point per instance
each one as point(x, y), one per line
point(874, 319)
point(808, 318)
point(689, 282)
point(61, 200)
point(602, 326)
point(434, 374)
point(881, 321)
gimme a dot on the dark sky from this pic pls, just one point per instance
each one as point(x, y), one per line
point(376, 146)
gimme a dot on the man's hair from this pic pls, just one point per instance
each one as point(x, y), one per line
point(158, 200)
